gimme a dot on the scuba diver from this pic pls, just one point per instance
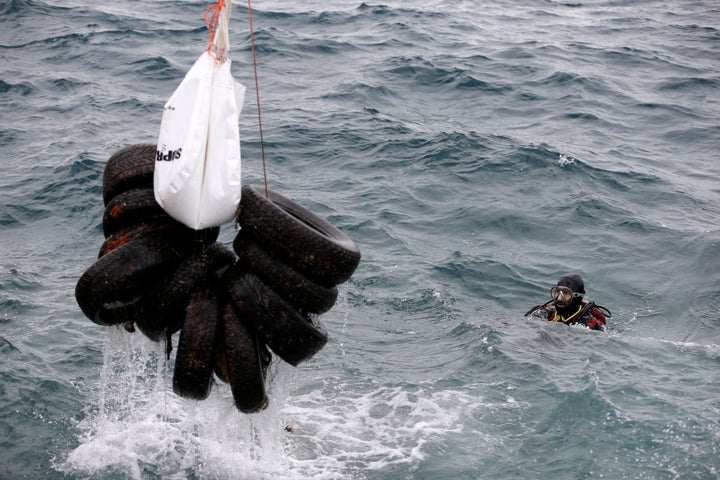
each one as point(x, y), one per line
point(567, 305)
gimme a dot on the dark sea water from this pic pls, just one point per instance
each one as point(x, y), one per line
point(475, 151)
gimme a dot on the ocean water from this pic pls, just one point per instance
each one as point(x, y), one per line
point(475, 151)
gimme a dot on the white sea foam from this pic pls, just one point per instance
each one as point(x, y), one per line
point(385, 426)
point(564, 160)
point(139, 427)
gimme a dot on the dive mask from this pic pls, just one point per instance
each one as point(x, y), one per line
point(563, 295)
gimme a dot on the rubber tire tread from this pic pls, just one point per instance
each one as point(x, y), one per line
point(192, 377)
point(302, 239)
point(180, 233)
point(292, 336)
point(130, 232)
point(164, 307)
point(300, 291)
point(246, 362)
point(130, 206)
point(129, 167)
point(124, 272)
point(120, 311)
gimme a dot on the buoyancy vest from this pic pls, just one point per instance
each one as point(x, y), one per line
point(588, 313)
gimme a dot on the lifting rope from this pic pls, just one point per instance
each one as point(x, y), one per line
point(212, 17)
point(257, 96)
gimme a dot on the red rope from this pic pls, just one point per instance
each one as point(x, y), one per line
point(257, 96)
point(213, 12)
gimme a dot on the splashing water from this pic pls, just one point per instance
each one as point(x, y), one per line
point(142, 428)
point(139, 428)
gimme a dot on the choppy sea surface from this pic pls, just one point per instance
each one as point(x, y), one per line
point(475, 151)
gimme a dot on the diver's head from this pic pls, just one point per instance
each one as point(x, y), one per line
point(568, 292)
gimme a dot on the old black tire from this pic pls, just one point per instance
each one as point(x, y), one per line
point(192, 377)
point(130, 167)
point(302, 239)
point(123, 273)
point(246, 362)
point(132, 206)
point(296, 288)
point(136, 230)
point(291, 335)
point(164, 307)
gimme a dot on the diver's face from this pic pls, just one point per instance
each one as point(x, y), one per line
point(562, 296)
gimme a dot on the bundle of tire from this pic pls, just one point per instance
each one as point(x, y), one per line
point(231, 307)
